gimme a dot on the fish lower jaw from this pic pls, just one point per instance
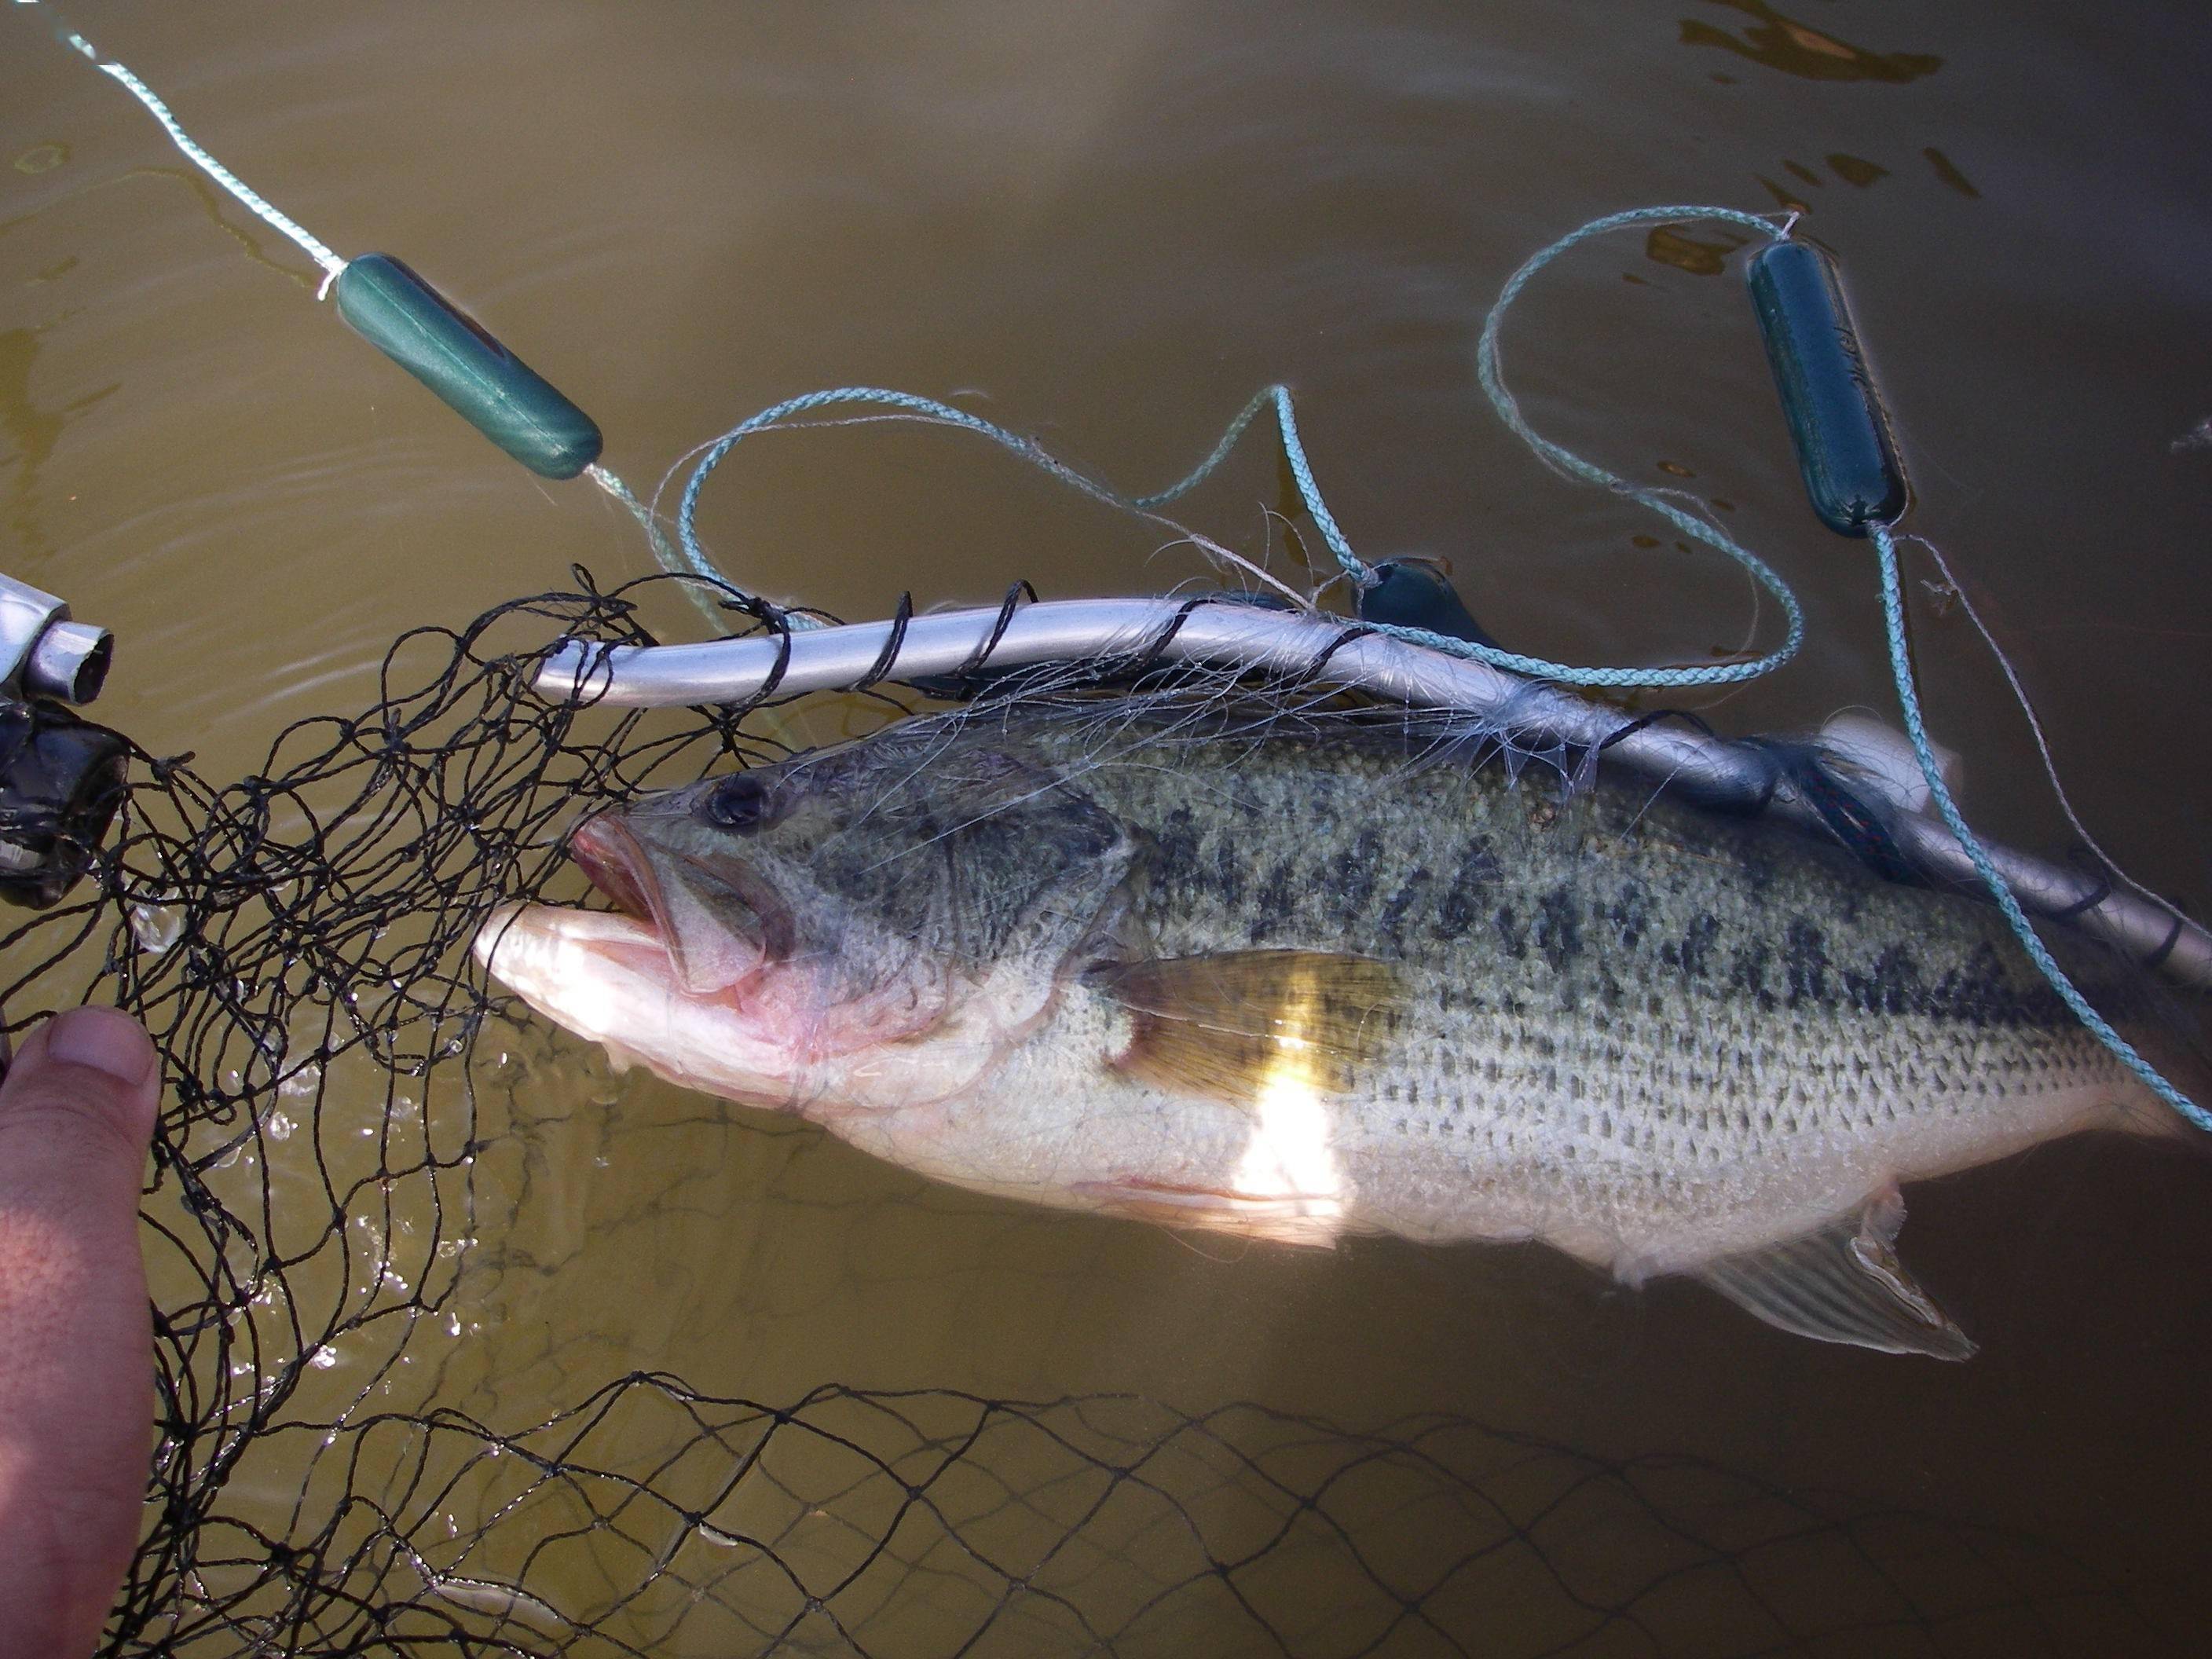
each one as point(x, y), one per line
point(607, 978)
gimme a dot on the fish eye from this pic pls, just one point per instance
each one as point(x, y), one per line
point(740, 802)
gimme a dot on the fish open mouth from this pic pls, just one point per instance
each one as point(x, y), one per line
point(719, 927)
point(613, 862)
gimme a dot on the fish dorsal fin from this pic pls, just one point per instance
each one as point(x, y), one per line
point(1237, 1025)
point(1843, 1284)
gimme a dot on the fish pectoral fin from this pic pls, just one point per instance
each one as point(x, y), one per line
point(1237, 1025)
point(1843, 1284)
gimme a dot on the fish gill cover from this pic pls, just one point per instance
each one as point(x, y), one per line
point(341, 1171)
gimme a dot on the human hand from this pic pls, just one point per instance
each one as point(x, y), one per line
point(76, 1351)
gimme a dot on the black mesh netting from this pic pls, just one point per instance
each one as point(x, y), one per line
point(336, 1475)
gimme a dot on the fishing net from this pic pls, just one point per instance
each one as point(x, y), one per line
point(342, 1173)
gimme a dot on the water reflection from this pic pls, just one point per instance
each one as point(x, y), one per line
point(32, 431)
point(1777, 42)
point(211, 201)
point(1948, 171)
point(1857, 170)
point(1699, 256)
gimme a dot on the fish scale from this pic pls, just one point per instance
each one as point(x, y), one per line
point(1589, 1124)
point(1661, 1039)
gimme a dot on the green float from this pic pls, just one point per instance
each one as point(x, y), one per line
point(1844, 453)
point(446, 349)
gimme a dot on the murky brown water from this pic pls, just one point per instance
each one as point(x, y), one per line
point(1107, 226)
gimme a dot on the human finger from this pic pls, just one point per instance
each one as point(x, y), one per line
point(77, 1114)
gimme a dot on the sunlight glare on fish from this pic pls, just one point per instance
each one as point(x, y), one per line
point(1289, 1151)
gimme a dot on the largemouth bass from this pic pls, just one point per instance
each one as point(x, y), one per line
point(1314, 982)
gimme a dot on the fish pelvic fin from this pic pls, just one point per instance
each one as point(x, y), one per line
point(1240, 1025)
point(1843, 1284)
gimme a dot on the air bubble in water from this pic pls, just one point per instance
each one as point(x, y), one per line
point(304, 1080)
point(277, 1126)
point(323, 1358)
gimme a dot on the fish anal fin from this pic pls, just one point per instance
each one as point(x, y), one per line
point(1843, 1284)
point(1237, 1024)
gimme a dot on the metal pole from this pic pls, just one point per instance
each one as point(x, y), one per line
point(1712, 769)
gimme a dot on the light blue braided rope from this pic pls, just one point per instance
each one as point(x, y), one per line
point(1908, 698)
point(1490, 370)
point(259, 205)
point(654, 535)
point(1294, 452)
point(333, 264)
point(688, 557)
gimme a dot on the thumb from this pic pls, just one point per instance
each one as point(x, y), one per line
point(77, 1113)
point(78, 1104)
